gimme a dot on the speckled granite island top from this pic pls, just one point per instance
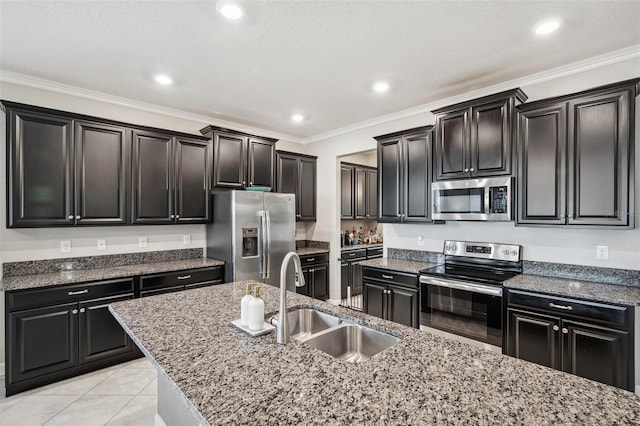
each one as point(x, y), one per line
point(22, 282)
point(399, 265)
point(232, 378)
point(311, 250)
point(626, 295)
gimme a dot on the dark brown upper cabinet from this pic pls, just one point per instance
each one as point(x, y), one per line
point(296, 174)
point(241, 160)
point(575, 158)
point(358, 191)
point(347, 209)
point(69, 169)
point(474, 138)
point(64, 172)
point(404, 175)
point(172, 179)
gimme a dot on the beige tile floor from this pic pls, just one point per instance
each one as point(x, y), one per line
point(124, 394)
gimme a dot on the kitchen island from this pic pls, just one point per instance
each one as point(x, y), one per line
point(224, 376)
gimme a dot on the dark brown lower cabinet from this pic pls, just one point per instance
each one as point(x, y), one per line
point(593, 340)
point(392, 296)
point(315, 270)
point(48, 340)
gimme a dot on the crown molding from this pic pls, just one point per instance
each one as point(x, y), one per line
point(65, 89)
point(610, 58)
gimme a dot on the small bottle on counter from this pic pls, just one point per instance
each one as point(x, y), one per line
point(256, 311)
point(244, 305)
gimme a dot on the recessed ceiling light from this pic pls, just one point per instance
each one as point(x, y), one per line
point(546, 27)
point(163, 79)
point(297, 118)
point(230, 10)
point(381, 86)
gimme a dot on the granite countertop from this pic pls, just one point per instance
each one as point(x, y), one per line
point(626, 295)
point(399, 265)
point(232, 378)
point(22, 282)
point(311, 250)
point(362, 246)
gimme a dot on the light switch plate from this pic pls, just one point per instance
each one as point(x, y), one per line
point(186, 239)
point(65, 246)
point(102, 245)
point(142, 242)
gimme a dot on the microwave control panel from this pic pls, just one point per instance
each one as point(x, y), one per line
point(499, 198)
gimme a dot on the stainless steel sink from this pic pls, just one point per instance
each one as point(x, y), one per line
point(352, 343)
point(306, 322)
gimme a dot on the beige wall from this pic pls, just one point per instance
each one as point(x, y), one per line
point(575, 246)
point(30, 244)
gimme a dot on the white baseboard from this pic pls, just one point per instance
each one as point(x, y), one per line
point(158, 420)
point(638, 390)
point(1, 369)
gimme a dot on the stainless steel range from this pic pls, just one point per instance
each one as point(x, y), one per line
point(464, 295)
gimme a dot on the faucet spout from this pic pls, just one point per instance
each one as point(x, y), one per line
point(282, 331)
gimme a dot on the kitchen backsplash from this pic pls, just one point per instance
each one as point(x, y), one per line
point(12, 269)
point(312, 244)
point(627, 277)
point(416, 255)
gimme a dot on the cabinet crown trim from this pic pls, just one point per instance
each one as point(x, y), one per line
point(519, 95)
point(297, 154)
point(408, 132)
point(633, 85)
point(83, 117)
point(211, 128)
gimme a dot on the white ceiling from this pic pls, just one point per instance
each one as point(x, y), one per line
point(314, 57)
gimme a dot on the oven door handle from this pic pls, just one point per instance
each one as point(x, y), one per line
point(459, 285)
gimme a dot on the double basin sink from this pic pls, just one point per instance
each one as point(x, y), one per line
point(337, 337)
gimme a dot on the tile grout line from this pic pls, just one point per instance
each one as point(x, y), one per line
point(63, 408)
point(134, 396)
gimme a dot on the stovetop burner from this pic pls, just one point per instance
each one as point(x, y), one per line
point(486, 263)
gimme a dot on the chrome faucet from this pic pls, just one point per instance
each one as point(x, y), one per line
point(282, 331)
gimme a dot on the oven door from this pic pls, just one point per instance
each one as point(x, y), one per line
point(467, 309)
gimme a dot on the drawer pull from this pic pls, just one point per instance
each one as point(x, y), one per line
point(566, 308)
point(184, 277)
point(311, 260)
point(351, 254)
point(75, 293)
point(388, 277)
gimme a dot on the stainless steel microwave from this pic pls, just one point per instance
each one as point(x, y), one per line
point(487, 199)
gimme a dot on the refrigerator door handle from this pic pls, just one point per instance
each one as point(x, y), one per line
point(268, 252)
point(263, 243)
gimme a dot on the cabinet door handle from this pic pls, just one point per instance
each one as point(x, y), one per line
point(78, 217)
point(82, 310)
point(184, 277)
point(566, 308)
point(244, 182)
point(177, 216)
point(472, 170)
point(556, 328)
point(173, 216)
point(312, 270)
point(388, 277)
point(466, 170)
point(74, 312)
point(250, 183)
point(75, 293)
point(565, 331)
point(399, 215)
point(70, 217)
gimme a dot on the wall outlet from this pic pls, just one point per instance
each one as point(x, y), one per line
point(142, 242)
point(420, 241)
point(102, 245)
point(65, 246)
point(602, 252)
point(186, 239)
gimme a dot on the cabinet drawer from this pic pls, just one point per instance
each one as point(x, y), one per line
point(23, 299)
point(610, 314)
point(391, 277)
point(374, 252)
point(359, 254)
point(180, 278)
point(312, 259)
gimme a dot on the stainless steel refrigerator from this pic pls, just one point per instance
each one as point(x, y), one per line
point(252, 232)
